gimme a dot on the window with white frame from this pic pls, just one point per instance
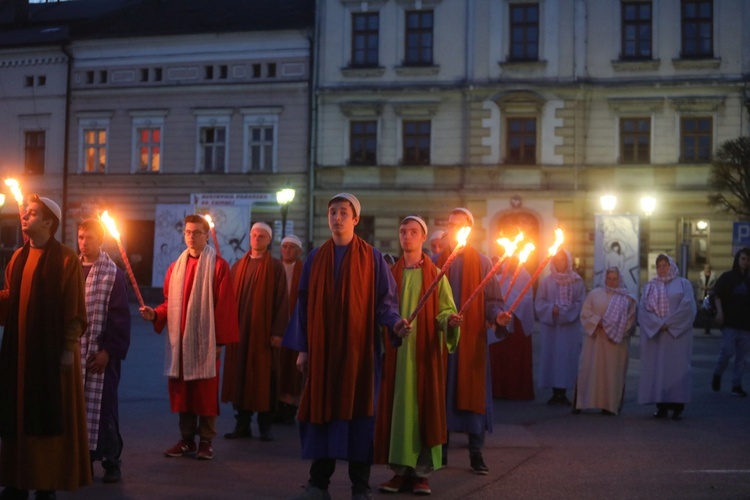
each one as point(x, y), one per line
point(260, 139)
point(148, 130)
point(212, 142)
point(93, 129)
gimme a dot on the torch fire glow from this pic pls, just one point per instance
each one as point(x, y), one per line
point(212, 227)
point(109, 223)
point(15, 189)
point(559, 238)
point(522, 258)
point(461, 237)
point(510, 248)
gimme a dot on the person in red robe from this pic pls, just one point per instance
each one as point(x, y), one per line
point(289, 377)
point(250, 367)
point(200, 317)
point(43, 442)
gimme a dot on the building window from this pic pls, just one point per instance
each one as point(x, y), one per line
point(28, 81)
point(157, 74)
point(521, 140)
point(41, 80)
point(149, 149)
point(103, 76)
point(419, 40)
point(94, 150)
point(257, 71)
point(524, 32)
point(271, 70)
point(363, 141)
point(144, 74)
point(261, 148)
point(635, 140)
point(416, 142)
point(636, 30)
point(696, 139)
point(365, 39)
point(697, 28)
point(34, 151)
point(90, 77)
point(213, 149)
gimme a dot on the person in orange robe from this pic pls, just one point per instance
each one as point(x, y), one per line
point(250, 367)
point(289, 378)
point(43, 439)
point(200, 317)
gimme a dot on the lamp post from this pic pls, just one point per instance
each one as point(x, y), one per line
point(284, 197)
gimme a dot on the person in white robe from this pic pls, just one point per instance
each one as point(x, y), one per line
point(665, 315)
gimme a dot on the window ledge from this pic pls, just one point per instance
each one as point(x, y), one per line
point(362, 72)
point(417, 70)
point(708, 63)
point(522, 65)
point(636, 64)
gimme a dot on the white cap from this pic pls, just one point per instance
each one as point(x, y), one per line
point(292, 239)
point(416, 218)
point(351, 198)
point(466, 212)
point(53, 207)
point(263, 226)
point(437, 235)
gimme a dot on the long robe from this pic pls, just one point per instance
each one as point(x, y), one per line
point(290, 378)
point(604, 363)
point(511, 360)
point(666, 347)
point(460, 420)
point(560, 337)
point(263, 308)
point(201, 396)
point(57, 462)
point(347, 439)
point(400, 436)
point(115, 339)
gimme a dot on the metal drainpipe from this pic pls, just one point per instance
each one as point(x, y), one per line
point(66, 137)
point(313, 122)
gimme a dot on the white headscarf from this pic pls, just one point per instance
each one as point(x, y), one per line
point(655, 291)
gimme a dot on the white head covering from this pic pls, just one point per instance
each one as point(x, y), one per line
point(437, 235)
point(416, 218)
point(466, 212)
point(292, 239)
point(263, 226)
point(53, 207)
point(351, 198)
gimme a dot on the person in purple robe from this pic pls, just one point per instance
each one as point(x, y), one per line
point(104, 346)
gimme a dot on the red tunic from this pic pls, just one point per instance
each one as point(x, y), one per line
point(201, 396)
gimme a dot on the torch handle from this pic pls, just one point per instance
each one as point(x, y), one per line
point(481, 286)
point(526, 288)
point(131, 275)
point(434, 284)
point(216, 242)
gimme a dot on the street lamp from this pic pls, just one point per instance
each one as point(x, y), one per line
point(284, 197)
point(648, 204)
point(609, 202)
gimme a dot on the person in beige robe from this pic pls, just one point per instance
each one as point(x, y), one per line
point(607, 316)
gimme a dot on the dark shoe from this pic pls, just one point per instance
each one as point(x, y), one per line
point(564, 401)
point(367, 495)
point(575, 411)
point(661, 413)
point(395, 484)
point(737, 390)
point(677, 415)
point(313, 493)
point(608, 413)
point(112, 473)
point(11, 493)
point(205, 450)
point(477, 464)
point(266, 436)
point(45, 495)
point(716, 383)
point(182, 447)
point(239, 432)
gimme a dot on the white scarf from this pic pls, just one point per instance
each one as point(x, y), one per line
point(198, 344)
point(99, 284)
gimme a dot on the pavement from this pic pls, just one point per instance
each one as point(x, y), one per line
point(536, 451)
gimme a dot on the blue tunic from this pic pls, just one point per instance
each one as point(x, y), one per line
point(343, 439)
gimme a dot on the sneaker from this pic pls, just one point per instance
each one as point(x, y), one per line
point(737, 390)
point(313, 493)
point(112, 473)
point(396, 484)
point(367, 495)
point(716, 383)
point(477, 464)
point(182, 447)
point(205, 451)
point(421, 486)
point(239, 432)
point(11, 493)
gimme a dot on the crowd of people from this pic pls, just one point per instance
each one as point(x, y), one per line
point(373, 369)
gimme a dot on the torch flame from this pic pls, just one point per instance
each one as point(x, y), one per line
point(510, 246)
point(15, 188)
point(210, 220)
point(109, 223)
point(524, 255)
point(462, 235)
point(559, 238)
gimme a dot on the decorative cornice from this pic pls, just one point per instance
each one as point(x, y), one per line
point(415, 109)
point(354, 72)
point(713, 63)
point(636, 65)
point(36, 61)
point(417, 70)
point(637, 104)
point(697, 103)
point(361, 109)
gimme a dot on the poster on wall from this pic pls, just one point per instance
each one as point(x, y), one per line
point(616, 240)
point(169, 241)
